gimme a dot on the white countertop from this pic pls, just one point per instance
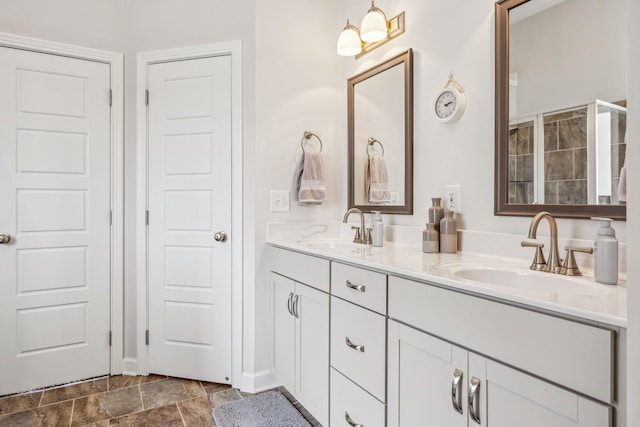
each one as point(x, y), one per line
point(598, 303)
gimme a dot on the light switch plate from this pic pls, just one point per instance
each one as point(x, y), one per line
point(279, 201)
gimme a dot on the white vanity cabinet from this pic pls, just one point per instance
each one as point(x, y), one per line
point(465, 384)
point(299, 342)
point(433, 382)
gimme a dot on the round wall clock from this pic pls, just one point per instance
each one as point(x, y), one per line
point(450, 102)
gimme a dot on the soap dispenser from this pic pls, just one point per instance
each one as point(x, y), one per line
point(377, 231)
point(605, 253)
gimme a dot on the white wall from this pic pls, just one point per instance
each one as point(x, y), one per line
point(633, 211)
point(588, 63)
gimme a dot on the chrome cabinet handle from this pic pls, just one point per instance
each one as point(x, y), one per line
point(360, 288)
point(474, 399)
point(350, 421)
point(356, 347)
point(456, 390)
point(220, 236)
point(294, 305)
point(5, 238)
point(289, 303)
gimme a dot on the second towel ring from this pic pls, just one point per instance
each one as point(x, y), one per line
point(306, 136)
point(370, 143)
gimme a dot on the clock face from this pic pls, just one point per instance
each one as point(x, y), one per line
point(446, 104)
point(449, 105)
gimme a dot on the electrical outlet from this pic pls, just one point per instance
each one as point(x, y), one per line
point(279, 201)
point(452, 201)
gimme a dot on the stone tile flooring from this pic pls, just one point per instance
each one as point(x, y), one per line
point(154, 400)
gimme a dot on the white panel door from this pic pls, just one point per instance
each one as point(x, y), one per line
point(283, 330)
point(423, 372)
point(55, 193)
point(189, 202)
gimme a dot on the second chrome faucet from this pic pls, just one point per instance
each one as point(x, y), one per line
point(363, 235)
point(554, 264)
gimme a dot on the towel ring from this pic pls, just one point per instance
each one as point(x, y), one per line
point(307, 135)
point(370, 143)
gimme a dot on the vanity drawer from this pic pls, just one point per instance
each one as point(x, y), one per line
point(302, 268)
point(349, 400)
point(363, 365)
point(572, 354)
point(363, 287)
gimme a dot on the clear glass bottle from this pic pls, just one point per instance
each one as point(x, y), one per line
point(436, 212)
point(448, 234)
point(430, 239)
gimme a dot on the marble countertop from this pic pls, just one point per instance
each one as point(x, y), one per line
point(599, 303)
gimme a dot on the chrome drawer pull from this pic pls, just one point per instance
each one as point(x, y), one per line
point(474, 399)
point(360, 288)
point(350, 421)
point(294, 306)
point(359, 348)
point(289, 303)
point(456, 390)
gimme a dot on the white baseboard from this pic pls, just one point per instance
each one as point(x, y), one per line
point(257, 382)
point(130, 366)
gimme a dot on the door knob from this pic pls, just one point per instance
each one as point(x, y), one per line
point(220, 236)
point(5, 238)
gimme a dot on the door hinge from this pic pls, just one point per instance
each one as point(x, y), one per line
point(110, 218)
point(110, 97)
point(110, 338)
point(146, 217)
point(146, 337)
point(146, 97)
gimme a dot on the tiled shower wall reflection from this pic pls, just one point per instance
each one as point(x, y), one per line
point(521, 146)
point(565, 157)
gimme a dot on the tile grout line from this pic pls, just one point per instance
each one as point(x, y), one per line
point(184, 423)
point(73, 408)
point(141, 399)
point(40, 401)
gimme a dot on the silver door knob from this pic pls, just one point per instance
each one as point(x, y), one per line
point(220, 236)
point(5, 238)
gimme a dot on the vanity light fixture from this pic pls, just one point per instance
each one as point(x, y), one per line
point(349, 43)
point(375, 31)
point(374, 25)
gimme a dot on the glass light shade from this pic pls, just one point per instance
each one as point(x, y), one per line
point(374, 25)
point(349, 43)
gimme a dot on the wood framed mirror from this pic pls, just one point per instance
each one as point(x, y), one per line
point(380, 131)
point(560, 115)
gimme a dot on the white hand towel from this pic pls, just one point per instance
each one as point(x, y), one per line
point(310, 187)
point(622, 184)
point(377, 180)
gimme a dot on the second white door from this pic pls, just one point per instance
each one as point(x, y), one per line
point(189, 199)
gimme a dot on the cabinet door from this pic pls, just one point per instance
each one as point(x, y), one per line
point(517, 399)
point(421, 375)
point(312, 352)
point(283, 336)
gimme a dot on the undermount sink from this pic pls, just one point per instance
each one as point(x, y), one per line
point(528, 280)
point(336, 244)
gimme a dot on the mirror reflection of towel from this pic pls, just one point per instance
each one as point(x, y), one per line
point(377, 180)
point(309, 186)
point(622, 184)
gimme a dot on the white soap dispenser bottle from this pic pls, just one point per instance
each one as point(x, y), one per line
point(377, 231)
point(605, 253)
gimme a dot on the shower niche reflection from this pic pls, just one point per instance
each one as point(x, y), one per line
point(568, 157)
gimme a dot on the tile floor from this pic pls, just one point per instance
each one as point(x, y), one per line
point(155, 400)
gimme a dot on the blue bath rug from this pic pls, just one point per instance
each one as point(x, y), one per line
point(270, 409)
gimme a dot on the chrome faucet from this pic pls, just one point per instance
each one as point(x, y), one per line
point(360, 236)
point(553, 263)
